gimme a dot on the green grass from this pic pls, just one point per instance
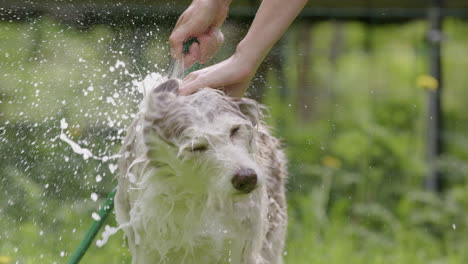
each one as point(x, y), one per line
point(357, 163)
point(312, 238)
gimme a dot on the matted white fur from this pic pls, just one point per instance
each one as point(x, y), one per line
point(176, 202)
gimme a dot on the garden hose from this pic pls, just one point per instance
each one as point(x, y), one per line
point(103, 213)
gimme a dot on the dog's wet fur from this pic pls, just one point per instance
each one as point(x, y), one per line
point(201, 181)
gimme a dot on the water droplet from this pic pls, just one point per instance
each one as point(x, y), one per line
point(112, 168)
point(94, 196)
point(95, 216)
point(63, 124)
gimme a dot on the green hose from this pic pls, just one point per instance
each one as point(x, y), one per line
point(108, 206)
point(103, 213)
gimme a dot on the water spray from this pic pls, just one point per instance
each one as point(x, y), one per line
point(177, 71)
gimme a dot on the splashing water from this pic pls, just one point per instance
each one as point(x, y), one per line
point(142, 86)
point(108, 231)
point(80, 150)
point(66, 98)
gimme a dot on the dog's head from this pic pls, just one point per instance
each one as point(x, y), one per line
point(204, 141)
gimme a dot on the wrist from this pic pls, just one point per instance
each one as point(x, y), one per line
point(215, 10)
point(248, 53)
point(221, 4)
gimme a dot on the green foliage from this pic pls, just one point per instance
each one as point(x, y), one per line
point(356, 159)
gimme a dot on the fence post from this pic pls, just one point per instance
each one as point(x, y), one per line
point(434, 144)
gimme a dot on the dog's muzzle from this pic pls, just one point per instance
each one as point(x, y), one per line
point(245, 180)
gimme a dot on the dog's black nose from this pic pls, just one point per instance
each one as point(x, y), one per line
point(245, 180)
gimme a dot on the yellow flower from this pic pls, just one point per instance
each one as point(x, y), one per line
point(427, 82)
point(5, 260)
point(331, 162)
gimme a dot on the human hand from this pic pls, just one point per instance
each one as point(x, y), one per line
point(232, 76)
point(201, 20)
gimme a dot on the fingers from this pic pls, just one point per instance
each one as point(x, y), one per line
point(192, 56)
point(176, 41)
point(200, 79)
point(202, 20)
point(207, 77)
point(232, 76)
point(177, 37)
point(210, 43)
point(185, 28)
point(192, 83)
point(192, 23)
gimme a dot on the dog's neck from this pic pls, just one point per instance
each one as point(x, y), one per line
point(180, 225)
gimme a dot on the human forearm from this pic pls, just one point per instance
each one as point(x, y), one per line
point(271, 21)
point(218, 9)
point(234, 74)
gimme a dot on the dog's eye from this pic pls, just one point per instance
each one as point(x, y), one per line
point(234, 131)
point(199, 148)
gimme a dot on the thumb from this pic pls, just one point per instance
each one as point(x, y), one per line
point(176, 41)
point(192, 83)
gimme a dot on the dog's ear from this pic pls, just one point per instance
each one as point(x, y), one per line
point(250, 109)
point(169, 86)
point(164, 93)
point(160, 97)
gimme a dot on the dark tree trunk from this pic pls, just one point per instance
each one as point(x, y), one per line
point(434, 108)
point(336, 48)
point(305, 91)
point(336, 43)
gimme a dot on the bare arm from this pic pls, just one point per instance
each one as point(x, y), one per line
point(234, 74)
point(271, 21)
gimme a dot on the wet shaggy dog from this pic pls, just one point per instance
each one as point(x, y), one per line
point(201, 181)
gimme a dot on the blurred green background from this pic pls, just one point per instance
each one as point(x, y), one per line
point(348, 99)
